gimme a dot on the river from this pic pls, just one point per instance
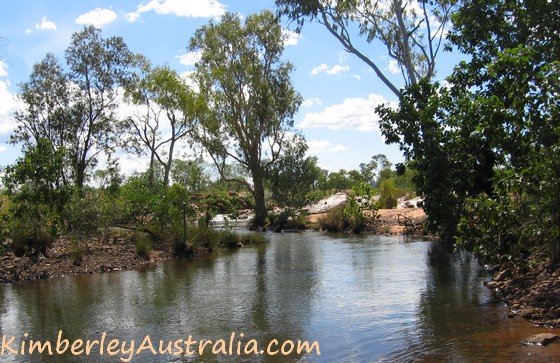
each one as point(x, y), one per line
point(363, 298)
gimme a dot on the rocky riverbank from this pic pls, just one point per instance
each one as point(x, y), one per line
point(532, 293)
point(65, 258)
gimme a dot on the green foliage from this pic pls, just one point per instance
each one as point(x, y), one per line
point(82, 215)
point(293, 176)
point(287, 219)
point(142, 244)
point(190, 174)
point(412, 37)
point(344, 219)
point(485, 147)
point(29, 240)
point(251, 99)
point(388, 194)
point(171, 111)
point(250, 239)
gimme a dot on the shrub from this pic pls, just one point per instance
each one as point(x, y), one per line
point(202, 236)
point(143, 245)
point(344, 219)
point(77, 253)
point(286, 220)
point(388, 194)
point(30, 240)
point(333, 221)
point(82, 214)
point(248, 239)
point(228, 239)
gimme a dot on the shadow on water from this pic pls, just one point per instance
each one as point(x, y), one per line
point(369, 298)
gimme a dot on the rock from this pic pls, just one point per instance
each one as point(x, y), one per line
point(541, 339)
point(502, 275)
point(554, 313)
point(528, 313)
point(325, 205)
point(411, 203)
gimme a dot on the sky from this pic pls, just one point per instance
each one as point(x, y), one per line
point(340, 92)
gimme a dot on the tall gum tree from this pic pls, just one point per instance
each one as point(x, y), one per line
point(250, 97)
point(99, 67)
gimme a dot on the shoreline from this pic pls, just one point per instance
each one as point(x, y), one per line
point(119, 254)
point(530, 293)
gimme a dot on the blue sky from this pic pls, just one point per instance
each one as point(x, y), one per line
point(340, 91)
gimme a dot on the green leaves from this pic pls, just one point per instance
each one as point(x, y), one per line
point(250, 98)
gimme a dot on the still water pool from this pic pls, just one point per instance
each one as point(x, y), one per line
point(364, 299)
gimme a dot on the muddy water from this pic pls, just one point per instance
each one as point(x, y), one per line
point(363, 299)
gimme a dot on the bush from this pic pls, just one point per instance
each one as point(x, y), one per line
point(77, 253)
point(388, 194)
point(286, 220)
point(347, 219)
point(333, 221)
point(82, 214)
point(249, 239)
point(202, 236)
point(143, 245)
point(26, 241)
point(228, 239)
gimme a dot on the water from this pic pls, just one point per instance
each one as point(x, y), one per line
point(363, 299)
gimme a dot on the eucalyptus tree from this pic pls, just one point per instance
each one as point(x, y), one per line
point(167, 113)
point(74, 108)
point(412, 31)
point(250, 97)
point(47, 111)
point(99, 68)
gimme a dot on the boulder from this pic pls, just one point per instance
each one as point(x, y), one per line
point(326, 204)
point(409, 203)
point(541, 339)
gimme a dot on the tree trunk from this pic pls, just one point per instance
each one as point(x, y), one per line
point(167, 166)
point(258, 194)
point(80, 175)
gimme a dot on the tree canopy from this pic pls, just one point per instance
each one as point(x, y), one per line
point(413, 32)
point(250, 97)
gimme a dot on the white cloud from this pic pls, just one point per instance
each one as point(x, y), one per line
point(190, 58)
point(317, 146)
point(97, 17)
point(45, 25)
point(8, 104)
point(183, 8)
point(3, 148)
point(353, 114)
point(394, 67)
point(309, 102)
point(28, 31)
point(290, 37)
point(3, 69)
point(132, 17)
point(336, 69)
point(356, 77)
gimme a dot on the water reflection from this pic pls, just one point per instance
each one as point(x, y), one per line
point(363, 298)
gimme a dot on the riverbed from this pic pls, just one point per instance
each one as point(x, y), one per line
point(362, 298)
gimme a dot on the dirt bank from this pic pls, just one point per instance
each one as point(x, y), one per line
point(65, 259)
